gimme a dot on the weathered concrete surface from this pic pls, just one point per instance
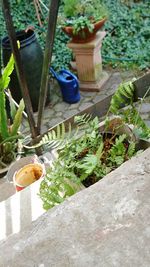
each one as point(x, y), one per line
point(105, 225)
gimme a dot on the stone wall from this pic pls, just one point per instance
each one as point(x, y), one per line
point(105, 225)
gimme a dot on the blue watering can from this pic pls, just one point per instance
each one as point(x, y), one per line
point(69, 85)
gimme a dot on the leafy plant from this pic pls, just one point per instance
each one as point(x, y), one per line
point(123, 97)
point(125, 45)
point(85, 158)
point(88, 156)
point(81, 23)
point(8, 132)
point(81, 15)
point(126, 42)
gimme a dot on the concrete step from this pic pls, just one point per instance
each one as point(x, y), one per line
point(106, 225)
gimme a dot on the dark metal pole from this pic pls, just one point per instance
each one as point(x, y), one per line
point(53, 11)
point(19, 67)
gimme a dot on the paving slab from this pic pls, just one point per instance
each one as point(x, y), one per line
point(105, 225)
point(57, 105)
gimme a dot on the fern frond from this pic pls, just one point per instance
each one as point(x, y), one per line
point(119, 160)
point(132, 116)
point(131, 149)
point(54, 138)
point(123, 96)
point(120, 139)
point(117, 152)
point(83, 119)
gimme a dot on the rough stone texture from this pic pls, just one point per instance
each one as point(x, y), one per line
point(145, 108)
point(98, 98)
point(106, 225)
point(69, 113)
point(85, 105)
point(142, 82)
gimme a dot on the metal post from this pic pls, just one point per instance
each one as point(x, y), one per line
point(19, 67)
point(53, 11)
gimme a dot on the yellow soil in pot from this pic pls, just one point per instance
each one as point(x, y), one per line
point(28, 174)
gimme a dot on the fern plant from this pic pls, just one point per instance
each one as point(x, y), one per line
point(8, 132)
point(84, 159)
point(124, 96)
point(88, 156)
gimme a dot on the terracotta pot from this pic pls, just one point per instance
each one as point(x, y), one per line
point(89, 36)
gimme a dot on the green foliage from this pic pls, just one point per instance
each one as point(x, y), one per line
point(126, 43)
point(80, 15)
point(17, 119)
point(71, 8)
point(83, 160)
point(118, 151)
point(88, 8)
point(124, 96)
point(88, 156)
point(131, 115)
point(4, 81)
point(57, 186)
point(128, 32)
point(54, 138)
point(8, 133)
point(12, 105)
point(131, 149)
point(80, 24)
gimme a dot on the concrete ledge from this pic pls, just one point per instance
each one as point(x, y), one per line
point(106, 225)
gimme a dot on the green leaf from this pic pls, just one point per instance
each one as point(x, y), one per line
point(131, 149)
point(17, 119)
point(5, 79)
point(3, 117)
point(13, 109)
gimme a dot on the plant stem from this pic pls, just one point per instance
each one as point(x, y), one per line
point(19, 66)
point(47, 58)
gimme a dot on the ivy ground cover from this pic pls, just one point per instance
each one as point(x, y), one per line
point(128, 32)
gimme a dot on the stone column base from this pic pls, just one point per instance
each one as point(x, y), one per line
point(95, 86)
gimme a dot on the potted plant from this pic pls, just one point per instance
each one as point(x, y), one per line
point(82, 19)
point(9, 134)
point(94, 149)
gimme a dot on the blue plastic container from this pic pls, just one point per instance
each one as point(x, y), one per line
point(69, 85)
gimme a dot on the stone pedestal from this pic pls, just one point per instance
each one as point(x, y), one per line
point(89, 63)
